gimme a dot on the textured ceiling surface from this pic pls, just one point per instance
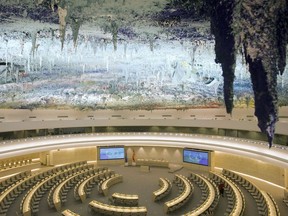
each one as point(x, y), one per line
point(112, 54)
point(143, 54)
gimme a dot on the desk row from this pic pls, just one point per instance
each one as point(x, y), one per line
point(107, 209)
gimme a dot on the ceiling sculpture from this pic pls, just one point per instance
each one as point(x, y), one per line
point(260, 30)
point(144, 54)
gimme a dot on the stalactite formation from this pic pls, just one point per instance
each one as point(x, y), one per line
point(257, 29)
point(263, 47)
point(62, 13)
point(221, 27)
point(75, 26)
point(260, 27)
point(114, 30)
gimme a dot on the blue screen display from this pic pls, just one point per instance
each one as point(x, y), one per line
point(196, 157)
point(112, 153)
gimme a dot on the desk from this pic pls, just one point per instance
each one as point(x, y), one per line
point(182, 198)
point(82, 186)
point(165, 189)
point(5, 196)
point(145, 168)
point(26, 208)
point(125, 199)
point(272, 210)
point(109, 182)
point(101, 207)
point(27, 201)
point(208, 202)
point(56, 194)
point(239, 199)
point(68, 212)
point(152, 162)
point(58, 191)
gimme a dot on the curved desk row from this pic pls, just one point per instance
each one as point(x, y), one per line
point(210, 195)
point(61, 190)
point(104, 185)
point(30, 202)
point(13, 179)
point(11, 192)
point(83, 188)
point(164, 190)
point(53, 200)
point(117, 210)
point(264, 202)
point(125, 199)
point(217, 195)
point(272, 206)
point(8, 195)
point(180, 200)
point(236, 200)
point(68, 212)
point(65, 184)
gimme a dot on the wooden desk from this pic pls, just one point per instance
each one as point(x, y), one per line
point(109, 182)
point(165, 187)
point(182, 198)
point(26, 210)
point(239, 199)
point(272, 209)
point(4, 197)
point(144, 168)
point(68, 212)
point(56, 194)
point(125, 199)
point(152, 162)
point(208, 202)
point(100, 207)
point(81, 188)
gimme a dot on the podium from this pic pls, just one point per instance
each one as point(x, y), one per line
point(145, 168)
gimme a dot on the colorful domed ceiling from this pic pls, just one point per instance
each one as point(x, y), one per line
point(144, 54)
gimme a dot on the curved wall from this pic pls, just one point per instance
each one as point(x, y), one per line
point(232, 153)
point(242, 119)
point(248, 156)
point(25, 123)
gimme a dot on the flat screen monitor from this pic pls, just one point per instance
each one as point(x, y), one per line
point(112, 153)
point(196, 157)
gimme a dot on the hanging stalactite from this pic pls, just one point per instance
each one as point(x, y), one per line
point(222, 28)
point(264, 44)
point(62, 13)
point(114, 27)
point(75, 26)
point(261, 28)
